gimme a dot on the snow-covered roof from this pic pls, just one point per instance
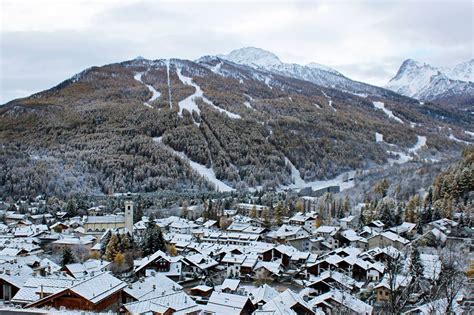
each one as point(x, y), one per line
point(344, 299)
point(149, 286)
point(105, 219)
point(231, 284)
point(80, 270)
point(225, 303)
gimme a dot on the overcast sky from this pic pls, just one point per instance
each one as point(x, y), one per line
point(44, 42)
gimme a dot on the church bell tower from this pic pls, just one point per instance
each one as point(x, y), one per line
point(129, 215)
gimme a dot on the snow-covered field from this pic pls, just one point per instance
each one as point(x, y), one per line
point(388, 112)
point(155, 93)
point(189, 103)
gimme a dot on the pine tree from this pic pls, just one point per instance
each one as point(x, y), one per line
point(153, 240)
point(279, 214)
point(137, 214)
point(416, 266)
point(67, 257)
point(71, 208)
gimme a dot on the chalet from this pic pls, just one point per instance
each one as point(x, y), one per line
point(329, 234)
point(163, 304)
point(340, 302)
point(159, 262)
point(36, 288)
point(287, 232)
point(406, 229)
point(376, 225)
point(149, 287)
point(198, 264)
point(333, 279)
point(268, 270)
point(351, 238)
point(230, 285)
point(387, 239)
point(384, 288)
point(11, 283)
point(201, 291)
point(180, 227)
point(306, 220)
point(248, 265)
point(263, 294)
point(81, 270)
point(75, 244)
point(348, 222)
point(289, 301)
point(229, 304)
point(233, 264)
point(98, 293)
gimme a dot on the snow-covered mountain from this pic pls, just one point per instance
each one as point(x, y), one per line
point(312, 72)
point(425, 82)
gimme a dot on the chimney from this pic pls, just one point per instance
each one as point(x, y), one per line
point(154, 287)
point(41, 292)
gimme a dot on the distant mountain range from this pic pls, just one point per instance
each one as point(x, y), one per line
point(313, 72)
point(241, 121)
point(427, 83)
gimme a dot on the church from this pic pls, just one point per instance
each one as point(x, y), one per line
point(100, 224)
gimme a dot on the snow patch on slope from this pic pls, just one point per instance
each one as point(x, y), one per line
point(388, 112)
point(207, 173)
point(189, 102)
point(378, 137)
point(155, 93)
point(404, 157)
point(299, 183)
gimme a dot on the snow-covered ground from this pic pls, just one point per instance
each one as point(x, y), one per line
point(267, 82)
point(216, 69)
point(378, 137)
point(421, 142)
point(405, 157)
point(452, 137)
point(329, 100)
point(469, 133)
point(155, 93)
point(388, 112)
point(300, 183)
point(247, 104)
point(189, 102)
point(207, 173)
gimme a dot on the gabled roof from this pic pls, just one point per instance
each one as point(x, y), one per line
point(231, 284)
point(225, 303)
point(152, 285)
point(94, 289)
point(146, 260)
point(344, 299)
point(80, 270)
point(177, 301)
point(263, 294)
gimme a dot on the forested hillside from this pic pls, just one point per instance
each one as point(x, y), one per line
point(145, 126)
